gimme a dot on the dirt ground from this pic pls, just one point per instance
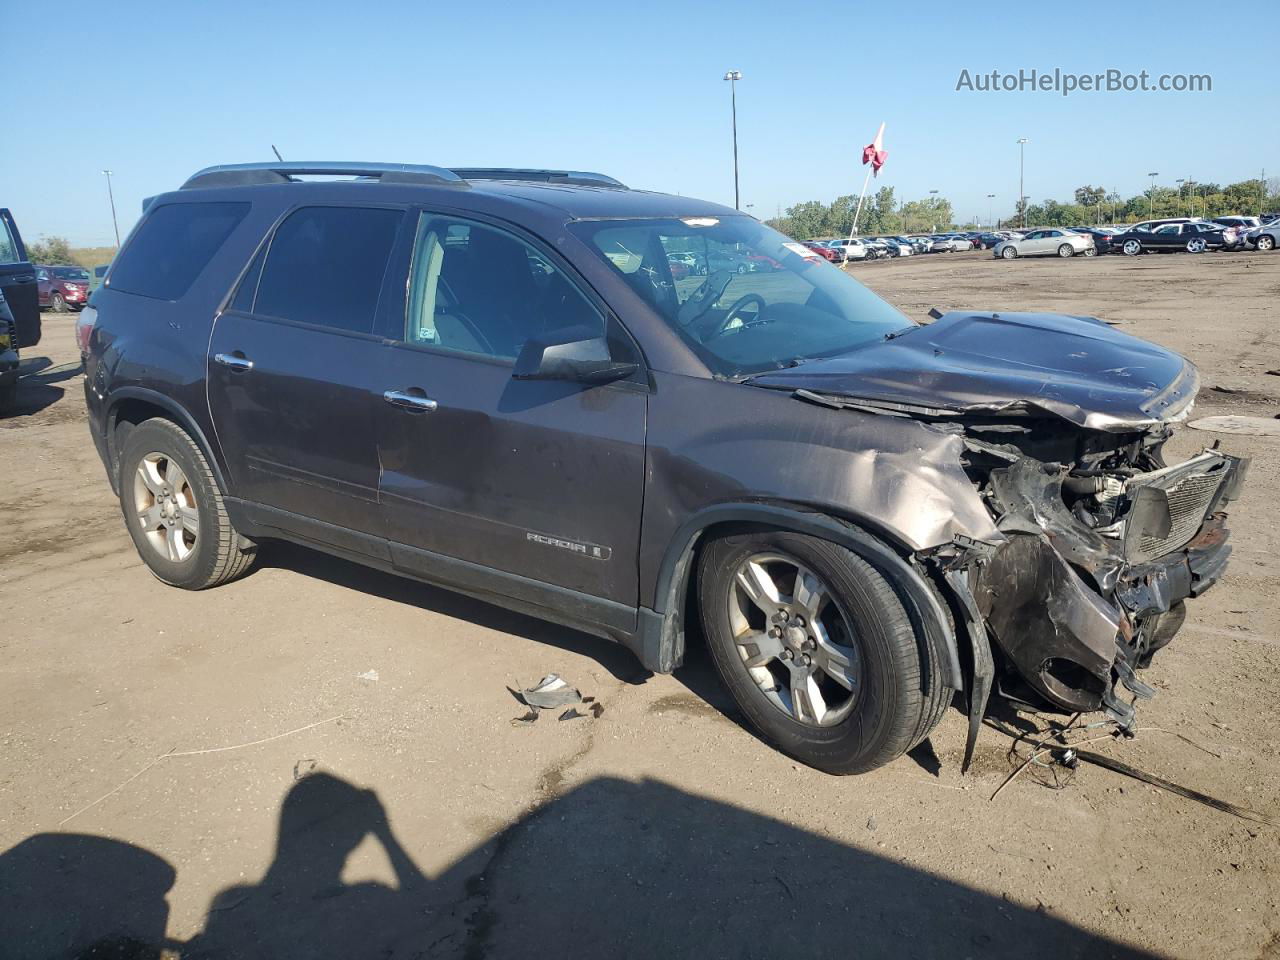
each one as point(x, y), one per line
point(663, 828)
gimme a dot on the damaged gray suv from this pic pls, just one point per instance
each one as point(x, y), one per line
point(547, 390)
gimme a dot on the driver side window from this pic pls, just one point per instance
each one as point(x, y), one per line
point(475, 289)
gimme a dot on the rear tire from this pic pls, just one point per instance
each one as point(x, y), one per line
point(1066, 251)
point(881, 713)
point(56, 303)
point(1266, 242)
point(1131, 248)
point(174, 510)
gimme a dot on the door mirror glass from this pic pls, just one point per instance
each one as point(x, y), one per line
point(577, 354)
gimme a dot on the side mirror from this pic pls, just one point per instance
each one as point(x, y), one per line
point(576, 354)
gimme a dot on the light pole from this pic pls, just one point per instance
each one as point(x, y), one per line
point(990, 220)
point(1151, 197)
point(933, 227)
point(733, 76)
point(112, 197)
point(1179, 207)
point(1022, 192)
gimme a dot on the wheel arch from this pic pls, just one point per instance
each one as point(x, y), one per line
point(130, 406)
point(663, 626)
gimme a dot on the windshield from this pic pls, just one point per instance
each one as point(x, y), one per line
point(70, 273)
point(743, 296)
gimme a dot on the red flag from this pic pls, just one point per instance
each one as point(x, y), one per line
point(874, 153)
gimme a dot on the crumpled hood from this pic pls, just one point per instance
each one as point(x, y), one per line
point(1077, 368)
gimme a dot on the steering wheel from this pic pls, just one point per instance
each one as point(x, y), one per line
point(736, 309)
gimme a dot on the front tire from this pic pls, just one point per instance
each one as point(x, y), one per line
point(1009, 253)
point(56, 303)
point(816, 648)
point(174, 509)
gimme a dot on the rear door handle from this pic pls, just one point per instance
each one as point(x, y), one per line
point(235, 362)
point(409, 401)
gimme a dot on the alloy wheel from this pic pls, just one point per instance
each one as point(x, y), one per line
point(1132, 248)
point(166, 507)
point(794, 640)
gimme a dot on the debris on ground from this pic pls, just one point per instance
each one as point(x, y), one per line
point(551, 693)
point(370, 675)
point(592, 709)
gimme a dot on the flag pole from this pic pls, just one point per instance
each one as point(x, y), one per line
point(858, 212)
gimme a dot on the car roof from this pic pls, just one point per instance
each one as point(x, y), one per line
point(576, 195)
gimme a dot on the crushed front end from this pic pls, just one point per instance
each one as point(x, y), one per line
point(1104, 544)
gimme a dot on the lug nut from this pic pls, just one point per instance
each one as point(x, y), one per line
point(775, 632)
point(806, 660)
point(786, 654)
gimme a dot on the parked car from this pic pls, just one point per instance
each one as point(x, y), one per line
point(1101, 238)
point(1053, 242)
point(1264, 237)
point(389, 379)
point(96, 276)
point(951, 243)
point(1146, 226)
point(824, 251)
point(1193, 236)
point(986, 241)
point(877, 249)
point(851, 249)
point(897, 246)
point(1241, 223)
point(18, 282)
point(62, 288)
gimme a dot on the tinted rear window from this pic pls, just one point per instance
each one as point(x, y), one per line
point(325, 266)
point(172, 246)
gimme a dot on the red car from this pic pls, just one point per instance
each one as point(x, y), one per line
point(62, 288)
point(831, 255)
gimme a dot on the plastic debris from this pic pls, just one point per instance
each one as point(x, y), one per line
point(525, 720)
point(371, 675)
point(551, 691)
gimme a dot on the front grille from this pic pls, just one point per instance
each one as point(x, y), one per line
point(1190, 493)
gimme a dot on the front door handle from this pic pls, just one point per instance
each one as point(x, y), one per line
point(234, 361)
point(409, 401)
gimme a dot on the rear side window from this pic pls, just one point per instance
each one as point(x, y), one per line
point(172, 246)
point(325, 266)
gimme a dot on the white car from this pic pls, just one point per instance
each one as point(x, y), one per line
point(898, 246)
point(951, 243)
point(1046, 243)
point(854, 249)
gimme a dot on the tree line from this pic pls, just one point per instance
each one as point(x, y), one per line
point(1089, 205)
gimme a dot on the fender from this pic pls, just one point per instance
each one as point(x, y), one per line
point(178, 413)
point(662, 630)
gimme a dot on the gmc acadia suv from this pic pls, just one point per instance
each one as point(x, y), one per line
point(494, 380)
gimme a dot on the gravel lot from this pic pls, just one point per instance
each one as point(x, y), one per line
point(661, 828)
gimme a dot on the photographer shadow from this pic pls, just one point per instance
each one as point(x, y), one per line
point(612, 868)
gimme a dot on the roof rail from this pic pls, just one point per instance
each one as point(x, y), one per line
point(576, 177)
point(246, 174)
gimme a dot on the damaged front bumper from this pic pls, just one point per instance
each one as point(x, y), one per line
point(1075, 609)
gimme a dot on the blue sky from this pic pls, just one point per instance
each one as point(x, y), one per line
point(156, 91)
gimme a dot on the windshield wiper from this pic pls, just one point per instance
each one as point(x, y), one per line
point(902, 333)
